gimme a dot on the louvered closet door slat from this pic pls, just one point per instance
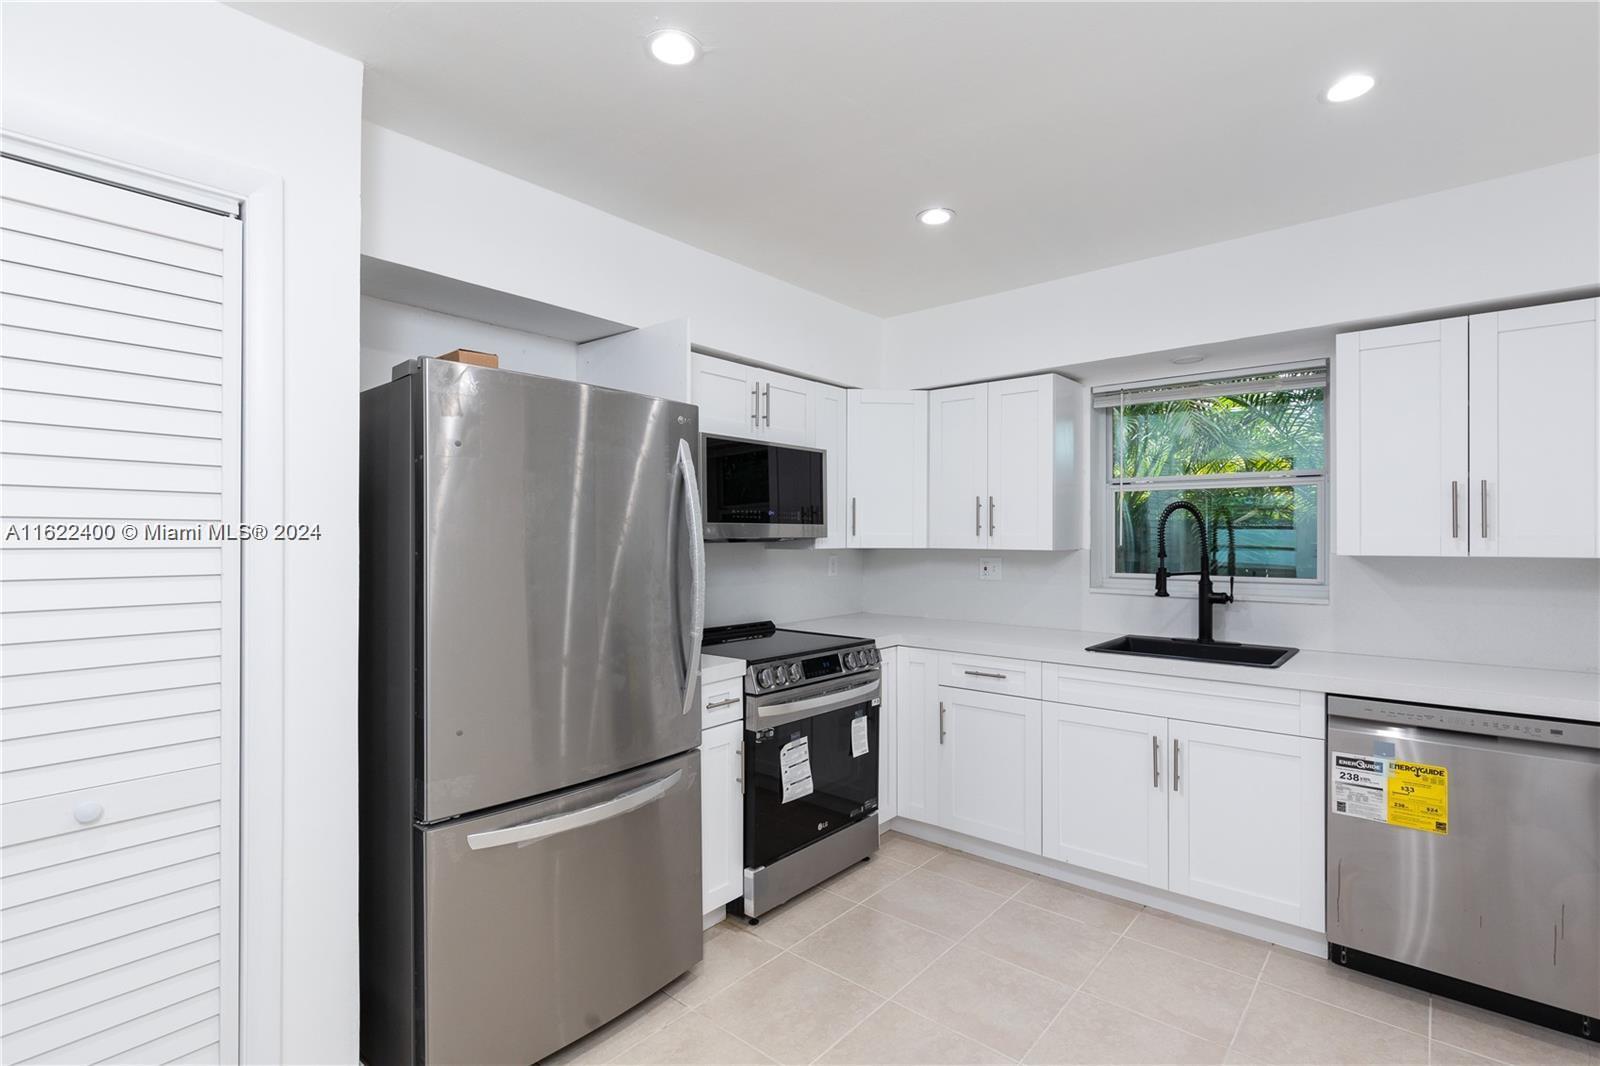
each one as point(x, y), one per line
point(119, 407)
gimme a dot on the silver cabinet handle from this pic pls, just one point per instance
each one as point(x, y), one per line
point(697, 571)
point(1483, 508)
point(1155, 761)
point(852, 516)
point(977, 518)
point(991, 516)
point(1455, 509)
point(984, 673)
point(766, 396)
point(723, 703)
point(941, 721)
point(1175, 772)
point(755, 405)
point(544, 828)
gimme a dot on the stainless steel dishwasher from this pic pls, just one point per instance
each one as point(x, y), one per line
point(1464, 855)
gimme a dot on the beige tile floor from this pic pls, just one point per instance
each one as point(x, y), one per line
point(925, 955)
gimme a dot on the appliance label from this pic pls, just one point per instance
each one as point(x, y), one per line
point(1419, 796)
point(1357, 786)
point(1407, 794)
point(858, 736)
point(794, 766)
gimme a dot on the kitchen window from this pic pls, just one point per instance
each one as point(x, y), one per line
point(1249, 450)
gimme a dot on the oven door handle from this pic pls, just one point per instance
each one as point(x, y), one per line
point(831, 701)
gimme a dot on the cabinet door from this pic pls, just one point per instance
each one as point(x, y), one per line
point(958, 467)
point(1021, 457)
point(989, 767)
point(917, 734)
point(785, 408)
point(888, 468)
point(727, 395)
point(888, 741)
point(1105, 799)
point(1400, 419)
point(828, 433)
point(721, 816)
point(1535, 454)
point(1246, 822)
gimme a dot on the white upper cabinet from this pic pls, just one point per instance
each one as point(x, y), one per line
point(736, 400)
point(887, 464)
point(1400, 433)
point(1002, 465)
point(1535, 452)
point(1470, 436)
point(828, 433)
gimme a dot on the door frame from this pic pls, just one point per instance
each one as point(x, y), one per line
point(100, 150)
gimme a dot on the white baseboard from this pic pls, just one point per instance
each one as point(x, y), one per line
point(1289, 936)
point(711, 918)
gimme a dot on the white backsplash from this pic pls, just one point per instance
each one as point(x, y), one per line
point(753, 583)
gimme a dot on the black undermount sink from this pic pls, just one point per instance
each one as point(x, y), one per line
point(1216, 651)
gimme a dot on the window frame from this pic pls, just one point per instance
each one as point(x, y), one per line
point(1104, 527)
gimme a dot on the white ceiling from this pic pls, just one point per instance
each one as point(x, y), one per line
point(1067, 137)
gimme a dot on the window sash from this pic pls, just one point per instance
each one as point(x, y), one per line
point(1110, 539)
point(1281, 378)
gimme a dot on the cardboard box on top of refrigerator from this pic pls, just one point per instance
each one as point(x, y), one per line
point(467, 355)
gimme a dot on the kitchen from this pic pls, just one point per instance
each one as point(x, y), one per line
point(905, 443)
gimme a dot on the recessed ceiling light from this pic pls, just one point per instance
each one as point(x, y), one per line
point(1349, 87)
point(935, 216)
point(674, 47)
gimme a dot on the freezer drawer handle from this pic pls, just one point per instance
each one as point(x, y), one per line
point(544, 828)
point(827, 702)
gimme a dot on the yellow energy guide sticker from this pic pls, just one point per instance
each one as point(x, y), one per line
point(1419, 796)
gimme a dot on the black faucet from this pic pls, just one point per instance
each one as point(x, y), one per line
point(1208, 597)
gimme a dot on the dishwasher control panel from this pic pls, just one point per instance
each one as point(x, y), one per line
point(1461, 720)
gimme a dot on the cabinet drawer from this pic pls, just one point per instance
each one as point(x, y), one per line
point(1272, 710)
point(721, 702)
point(984, 673)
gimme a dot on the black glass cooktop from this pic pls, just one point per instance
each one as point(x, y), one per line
point(761, 642)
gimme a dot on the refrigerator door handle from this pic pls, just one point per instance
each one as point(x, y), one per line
point(544, 828)
point(697, 570)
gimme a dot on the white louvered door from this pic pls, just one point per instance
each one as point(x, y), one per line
point(119, 407)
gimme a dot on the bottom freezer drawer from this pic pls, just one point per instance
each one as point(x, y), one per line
point(543, 922)
point(1501, 890)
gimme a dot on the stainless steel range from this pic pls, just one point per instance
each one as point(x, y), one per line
point(810, 757)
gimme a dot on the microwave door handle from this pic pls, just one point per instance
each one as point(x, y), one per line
point(544, 828)
point(697, 570)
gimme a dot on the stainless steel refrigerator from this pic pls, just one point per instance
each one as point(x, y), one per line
point(532, 600)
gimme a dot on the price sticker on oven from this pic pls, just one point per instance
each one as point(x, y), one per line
point(794, 769)
point(858, 736)
point(1419, 796)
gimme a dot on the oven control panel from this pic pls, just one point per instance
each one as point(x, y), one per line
point(789, 673)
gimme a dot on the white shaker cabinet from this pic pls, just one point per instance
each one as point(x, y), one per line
point(745, 401)
point(1245, 819)
point(1534, 458)
point(828, 432)
point(1003, 461)
point(721, 815)
point(888, 741)
point(917, 734)
point(1105, 791)
point(887, 468)
point(989, 767)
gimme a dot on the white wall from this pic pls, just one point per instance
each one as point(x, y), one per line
point(429, 209)
point(1518, 612)
point(392, 333)
point(753, 583)
point(1521, 236)
point(212, 85)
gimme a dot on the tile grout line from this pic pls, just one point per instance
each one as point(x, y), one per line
point(1078, 989)
point(1363, 1015)
point(1250, 999)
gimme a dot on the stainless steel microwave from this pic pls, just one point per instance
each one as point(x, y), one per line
point(755, 490)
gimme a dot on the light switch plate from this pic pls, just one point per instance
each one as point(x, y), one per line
point(988, 569)
point(833, 566)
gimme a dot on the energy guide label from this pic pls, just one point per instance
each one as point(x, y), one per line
point(1358, 786)
point(1397, 792)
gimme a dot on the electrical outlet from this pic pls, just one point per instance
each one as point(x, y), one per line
point(833, 566)
point(988, 569)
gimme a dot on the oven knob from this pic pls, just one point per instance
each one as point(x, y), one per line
point(794, 672)
point(849, 660)
point(764, 678)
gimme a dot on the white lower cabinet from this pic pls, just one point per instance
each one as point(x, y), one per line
point(1105, 791)
point(1246, 821)
point(888, 742)
point(721, 815)
point(989, 768)
point(917, 734)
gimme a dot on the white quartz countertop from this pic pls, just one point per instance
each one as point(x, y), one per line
point(1569, 694)
point(714, 668)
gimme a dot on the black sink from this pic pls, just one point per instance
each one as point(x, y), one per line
point(1217, 651)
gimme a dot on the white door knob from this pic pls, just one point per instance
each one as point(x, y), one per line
point(87, 812)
